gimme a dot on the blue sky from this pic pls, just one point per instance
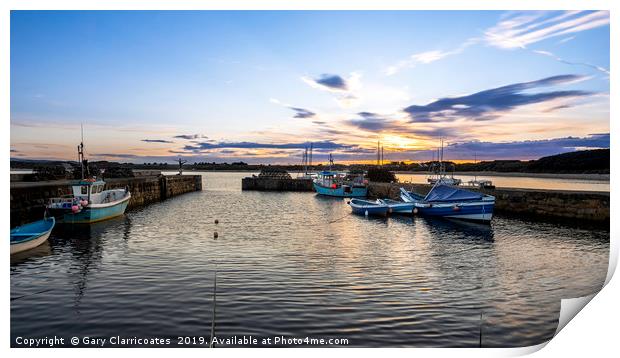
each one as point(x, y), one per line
point(259, 85)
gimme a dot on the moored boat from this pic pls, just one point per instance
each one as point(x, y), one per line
point(89, 203)
point(367, 207)
point(31, 235)
point(341, 185)
point(335, 184)
point(450, 202)
point(398, 207)
point(410, 196)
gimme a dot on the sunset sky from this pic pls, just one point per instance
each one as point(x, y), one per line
point(259, 86)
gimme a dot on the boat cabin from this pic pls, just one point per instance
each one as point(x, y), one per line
point(90, 190)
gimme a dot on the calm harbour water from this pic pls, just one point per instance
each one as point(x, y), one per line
point(299, 265)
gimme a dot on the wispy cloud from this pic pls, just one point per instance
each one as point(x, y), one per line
point(557, 58)
point(327, 82)
point(521, 29)
point(189, 136)
point(157, 141)
point(345, 89)
point(256, 145)
point(528, 149)
point(492, 103)
point(302, 112)
point(564, 40)
point(374, 122)
point(427, 57)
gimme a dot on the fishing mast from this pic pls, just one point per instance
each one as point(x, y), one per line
point(81, 150)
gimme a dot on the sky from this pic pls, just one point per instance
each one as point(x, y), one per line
point(260, 86)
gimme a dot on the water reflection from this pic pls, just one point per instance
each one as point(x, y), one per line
point(35, 253)
point(297, 264)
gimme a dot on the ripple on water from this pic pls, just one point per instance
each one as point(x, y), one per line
point(298, 265)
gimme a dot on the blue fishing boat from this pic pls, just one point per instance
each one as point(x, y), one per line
point(450, 202)
point(367, 207)
point(89, 203)
point(31, 235)
point(341, 185)
point(336, 184)
point(398, 207)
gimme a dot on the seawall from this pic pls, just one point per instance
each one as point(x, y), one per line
point(28, 199)
point(580, 207)
point(273, 184)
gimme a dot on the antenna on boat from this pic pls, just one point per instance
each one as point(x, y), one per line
point(81, 150)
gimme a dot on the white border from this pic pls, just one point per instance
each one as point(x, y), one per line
point(594, 329)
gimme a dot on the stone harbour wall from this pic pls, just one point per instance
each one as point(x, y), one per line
point(581, 206)
point(28, 199)
point(272, 184)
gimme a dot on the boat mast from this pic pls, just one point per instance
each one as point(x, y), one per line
point(81, 150)
point(311, 144)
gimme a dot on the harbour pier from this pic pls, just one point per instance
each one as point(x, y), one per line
point(28, 199)
point(276, 184)
point(579, 207)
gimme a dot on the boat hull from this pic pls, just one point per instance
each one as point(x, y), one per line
point(398, 207)
point(355, 192)
point(95, 213)
point(370, 210)
point(474, 211)
point(401, 208)
point(30, 242)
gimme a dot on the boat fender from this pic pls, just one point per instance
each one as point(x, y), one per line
point(366, 213)
point(456, 208)
point(75, 209)
point(415, 210)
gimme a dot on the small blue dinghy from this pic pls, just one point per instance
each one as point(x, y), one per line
point(398, 207)
point(367, 207)
point(31, 235)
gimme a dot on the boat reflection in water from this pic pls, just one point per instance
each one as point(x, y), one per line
point(303, 265)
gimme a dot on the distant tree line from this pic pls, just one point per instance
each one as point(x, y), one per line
point(586, 162)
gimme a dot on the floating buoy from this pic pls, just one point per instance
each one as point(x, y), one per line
point(415, 210)
point(217, 221)
point(456, 208)
point(366, 213)
point(215, 235)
